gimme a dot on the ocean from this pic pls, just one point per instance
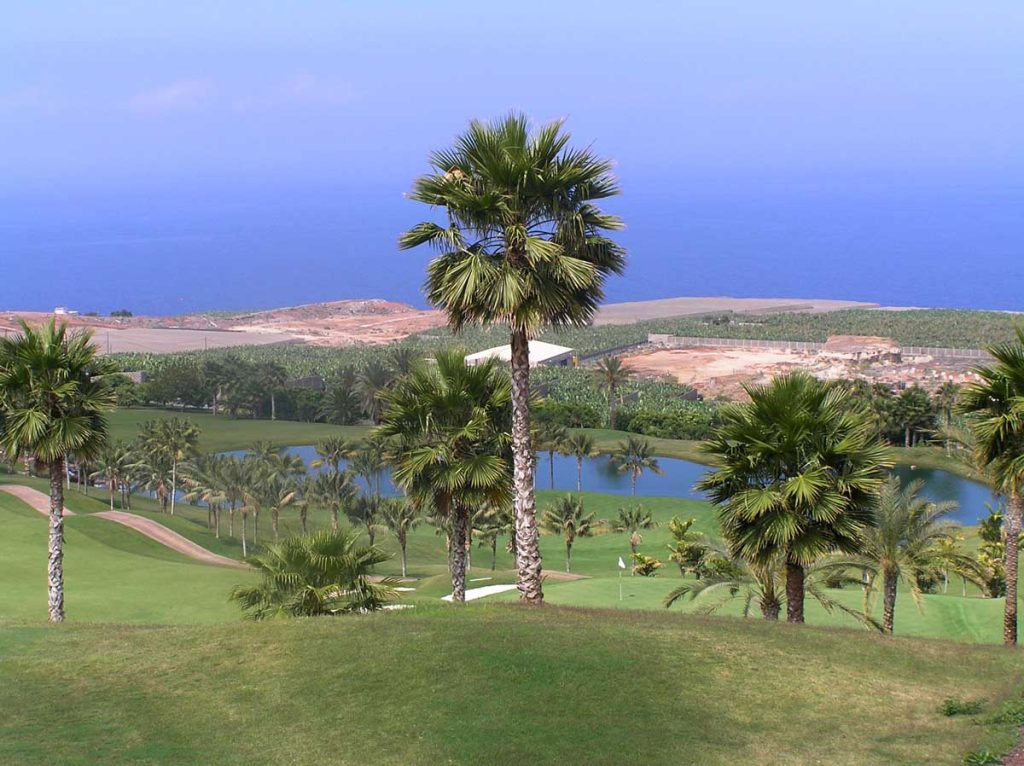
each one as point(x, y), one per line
point(169, 250)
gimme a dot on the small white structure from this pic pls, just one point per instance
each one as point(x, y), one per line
point(65, 311)
point(540, 353)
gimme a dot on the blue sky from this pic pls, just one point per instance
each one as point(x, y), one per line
point(168, 112)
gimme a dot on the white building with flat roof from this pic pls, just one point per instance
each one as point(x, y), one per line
point(540, 353)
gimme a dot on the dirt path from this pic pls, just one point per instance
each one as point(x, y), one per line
point(33, 498)
point(151, 529)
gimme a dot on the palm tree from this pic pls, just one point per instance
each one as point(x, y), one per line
point(326, 573)
point(580, 446)
point(181, 440)
point(365, 510)
point(203, 479)
point(945, 401)
point(632, 521)
point(551, 438)
point(492, 523)
point(334, 490)
point(902, 542)
point(273, 376)
point(280, 494)
point(765, 585)
point(568, 519)
point(450, 423)
point(994, 406)
point(611, 375)
point(112, 466)
point(403, 359)
point(54, 396)
point(400, 517)
point(635, 456)
point(368, 462)
point(524, 246)
point(331, 451)
point(371, 382)
point(797, 471)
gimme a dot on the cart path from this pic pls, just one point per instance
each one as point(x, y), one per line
point(151, 529)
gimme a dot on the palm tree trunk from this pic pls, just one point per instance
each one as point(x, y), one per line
point(579, 473)
point(770, 610)
point(494, 553)
point(794, 592)
point(611, 405)
point(334, 517)
point(1013, 521)
point(273, 522)
point(568, 556)
point(231, 520)
point(402, 543)
point(457, 553)
point(174, 478)
point(110, 488)
point(245, 551)
point(906, 437)
point(216, 520)
point(273, 406)
point(888, 601)
point(633, 477)
point(528, 559)
point(55, 564)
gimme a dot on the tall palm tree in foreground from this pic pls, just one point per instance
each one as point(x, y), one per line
point(994, 406)
point(611, 375)
point(524, 245)
point(449, 423)
point(568, 518)
point(903, 541)
point(580, 446)
point(54, 397)
point(634, 456)
point(325, 573)
point(797, 471)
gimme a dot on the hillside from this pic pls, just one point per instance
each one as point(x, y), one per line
point(492, 685)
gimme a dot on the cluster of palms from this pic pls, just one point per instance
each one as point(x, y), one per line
point(568, 517)
point(804, 501)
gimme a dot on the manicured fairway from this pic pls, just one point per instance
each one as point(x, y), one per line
point(490, 684)
point(223, 433)
point(113, 574)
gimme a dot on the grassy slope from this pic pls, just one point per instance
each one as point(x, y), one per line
point(488, 684)
point(113, 573)
point(222, 433)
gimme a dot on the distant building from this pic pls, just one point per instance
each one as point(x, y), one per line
point(64, 311)
point(540, 353)
point(862, 348)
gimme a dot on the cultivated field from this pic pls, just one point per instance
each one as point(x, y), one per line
point(665, 308)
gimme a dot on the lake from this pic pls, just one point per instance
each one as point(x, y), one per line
point(679, 477)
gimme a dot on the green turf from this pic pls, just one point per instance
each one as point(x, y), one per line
point(112, 573)
point(222, 433)
point(489, 684)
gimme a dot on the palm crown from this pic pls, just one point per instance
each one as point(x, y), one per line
point(524, 242)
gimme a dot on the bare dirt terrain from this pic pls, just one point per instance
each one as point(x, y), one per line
point(666, 308)
point(723, 371)
point(338, 323)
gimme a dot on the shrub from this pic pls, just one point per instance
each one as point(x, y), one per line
point(645, 566)
point(951, 707)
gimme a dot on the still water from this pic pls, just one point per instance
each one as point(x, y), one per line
point(679, 476)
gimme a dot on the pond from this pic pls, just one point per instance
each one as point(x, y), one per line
point(679, 476)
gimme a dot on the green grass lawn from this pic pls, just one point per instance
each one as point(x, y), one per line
point(490, 684)
point(113, 574)
point(221, 433)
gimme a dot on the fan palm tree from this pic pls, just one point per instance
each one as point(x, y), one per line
point(54, 396)
point(400, 517)
point(580, 446)
point(113, 465)
point(371, 382)
point(568, 518)
point(797, 471)
point(632, 521)
point(525, 245)
point(551, 439)
point(902, 542)
point(325, 573)
point(765, 586)
point(340, 406)
point(450, 425)
point(611, 375)
point(180, 439)
point(273, 377)
point(635, 456)
point(994, 406)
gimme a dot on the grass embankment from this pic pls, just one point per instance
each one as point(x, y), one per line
point(222, 433)
point(490, 684)
point(112, 573)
